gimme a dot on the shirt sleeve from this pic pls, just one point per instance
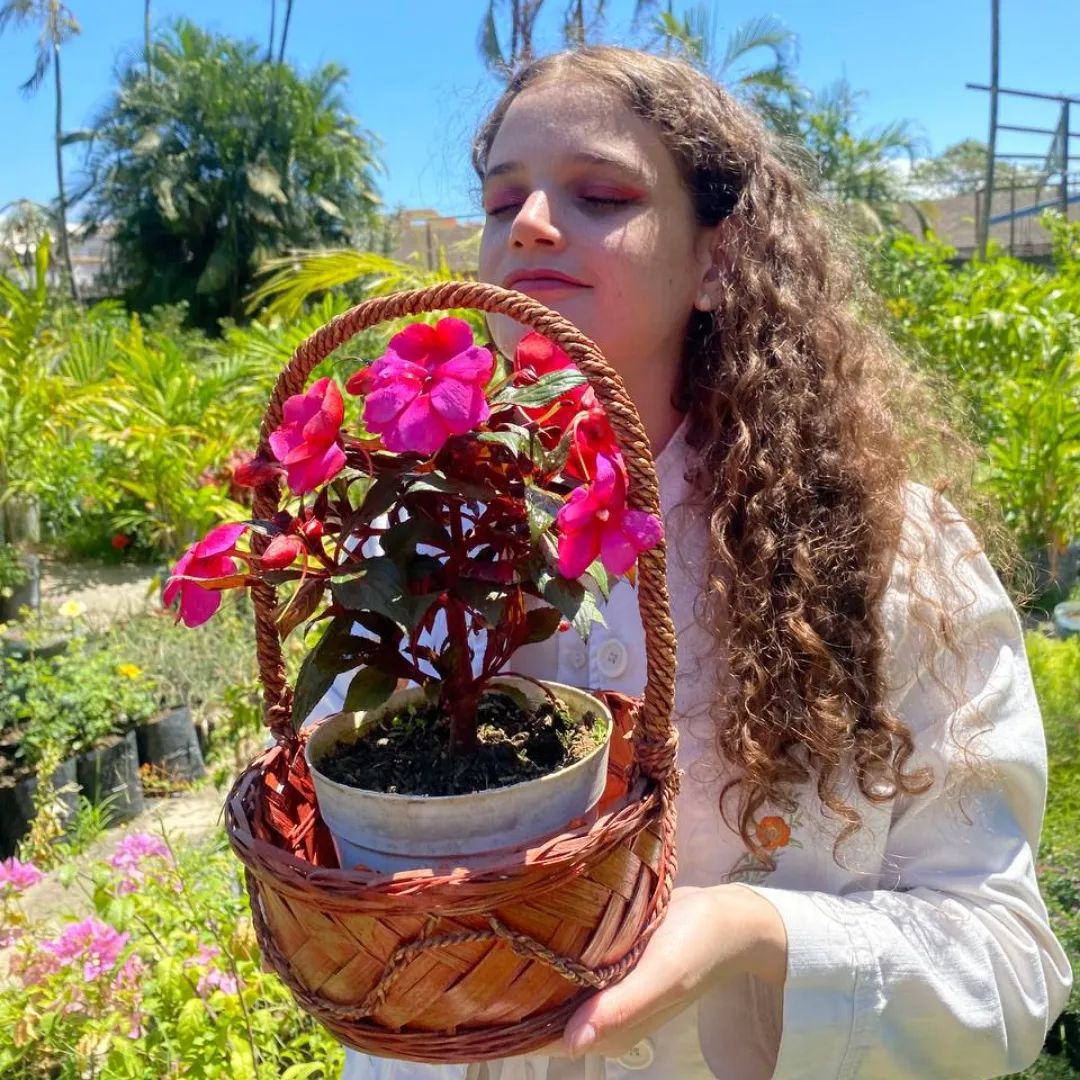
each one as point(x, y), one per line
point(950, 969)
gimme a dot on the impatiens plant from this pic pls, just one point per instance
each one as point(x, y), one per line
point(478, 506)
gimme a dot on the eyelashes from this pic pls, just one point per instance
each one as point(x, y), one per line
point(590, 204)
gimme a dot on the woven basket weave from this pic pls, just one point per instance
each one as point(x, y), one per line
point(468, 965)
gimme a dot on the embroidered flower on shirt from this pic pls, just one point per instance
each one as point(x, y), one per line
point(774, 833)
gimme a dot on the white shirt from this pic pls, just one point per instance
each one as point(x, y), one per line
point(926, 952)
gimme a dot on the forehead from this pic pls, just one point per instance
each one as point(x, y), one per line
point(559, 122)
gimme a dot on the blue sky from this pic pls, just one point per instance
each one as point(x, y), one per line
point(416, 80)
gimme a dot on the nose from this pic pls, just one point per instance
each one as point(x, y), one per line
point(535, 224)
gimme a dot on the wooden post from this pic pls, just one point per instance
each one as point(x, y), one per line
point(995, 41)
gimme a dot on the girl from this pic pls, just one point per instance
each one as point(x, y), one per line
point(864, 767)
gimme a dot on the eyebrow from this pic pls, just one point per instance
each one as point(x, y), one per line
point(585, 157)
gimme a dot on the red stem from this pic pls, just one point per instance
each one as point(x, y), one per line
point(459, 694)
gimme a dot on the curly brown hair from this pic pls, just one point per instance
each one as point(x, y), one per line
point(808, 424)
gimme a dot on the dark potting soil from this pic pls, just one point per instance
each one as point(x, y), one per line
point(409, 754)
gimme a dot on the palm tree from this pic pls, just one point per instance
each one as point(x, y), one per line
point(856, 170)
point(519, 49)
point(770, 88)
point(579, 28)
point(58, 25)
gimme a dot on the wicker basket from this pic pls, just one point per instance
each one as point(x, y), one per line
point(469, 965)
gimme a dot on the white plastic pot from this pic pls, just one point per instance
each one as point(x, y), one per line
point(406, 832)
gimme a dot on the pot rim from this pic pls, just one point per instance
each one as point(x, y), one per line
point(339, 719)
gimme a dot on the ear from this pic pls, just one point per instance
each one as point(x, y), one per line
point(713, 266)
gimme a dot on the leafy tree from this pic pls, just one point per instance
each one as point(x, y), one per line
point(961, 168)
point(58, 26)
point(220, 162)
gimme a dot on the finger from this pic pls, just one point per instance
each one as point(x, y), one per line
point(626, 1006)
point(618, 1042)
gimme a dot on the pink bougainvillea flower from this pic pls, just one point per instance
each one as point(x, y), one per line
point(211, 976)
point(308, 442)
point(137, 857)
point(427, 386)
point(16, 876)
point(282, 551)
point(210, 557)
point(594, 522)
point(96, 944)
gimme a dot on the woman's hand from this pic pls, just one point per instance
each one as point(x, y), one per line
point(707, 935)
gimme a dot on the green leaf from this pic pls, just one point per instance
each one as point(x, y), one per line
point(542, 392)
point(542, 508)
point(572, 599)
point(541, 623)
point(435, 481)
point(379, 588)
point(320, 667)
point(597, 572)
point(516, 439)
point(401, 540)
point(369, 689)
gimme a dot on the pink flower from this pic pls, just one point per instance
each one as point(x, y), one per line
point(427, 386)
point(308, 441)
point(212, 977)
point(282, 551)
point(593, 438)
point(534, 357)
point(252, 471)
point(94, 943)
point(16, 876)
point(130, 855)
point(208, 558)
point(594, 522)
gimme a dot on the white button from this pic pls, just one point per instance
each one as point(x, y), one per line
point(577, 658)
point(639, 1056)
point(611, 659)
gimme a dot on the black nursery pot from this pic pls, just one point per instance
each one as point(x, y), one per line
point(111, 772)
point(170, 743)
point(17, 803)
point(28, 594)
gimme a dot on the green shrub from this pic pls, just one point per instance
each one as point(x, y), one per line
point(164, 979)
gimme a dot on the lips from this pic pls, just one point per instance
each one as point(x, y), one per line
point(538, 277)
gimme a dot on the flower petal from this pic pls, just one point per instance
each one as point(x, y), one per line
point(419, 429)
point(461, 405)
point(197, 604)
point(220, 539)
point(415, 343)
point(308, 474)
point(452, 336)
point(472, 366)
point(617, 551)
point(578, 511)
point(383, 406)
point(577, 550)
point(644, 530)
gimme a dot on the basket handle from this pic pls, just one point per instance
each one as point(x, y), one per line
point(655, 738)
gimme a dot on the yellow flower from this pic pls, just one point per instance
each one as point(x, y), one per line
point(72, 609)
point(129, 671)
